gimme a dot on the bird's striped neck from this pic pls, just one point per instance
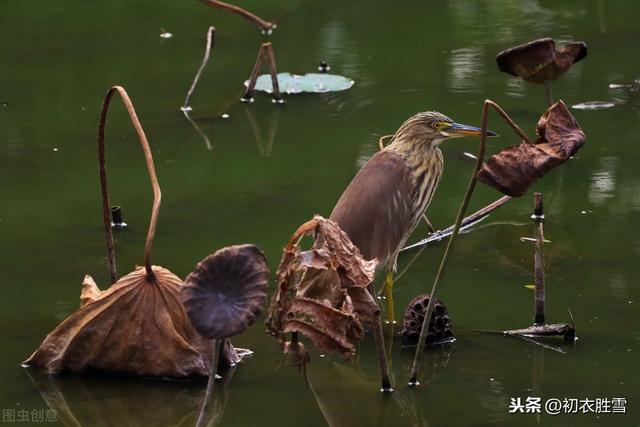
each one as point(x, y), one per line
point(417, 154)
point(425, 162)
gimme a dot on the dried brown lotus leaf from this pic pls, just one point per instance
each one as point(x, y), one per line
point(561, 130)
point(90, 291)
point(226, 291)
point(322, 292)
point(539, 61)
point(513, 170)
point(137, 326)
point(339, 322)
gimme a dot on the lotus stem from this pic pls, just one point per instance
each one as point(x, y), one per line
point(207, 403)
point(547, 90)
point(378, 337)
point(507, 119)
point(248, 95)
point(211, 36)
point(413, 380)
point(106, 207)
point(538, 220)
point(467, 221)
point(277, 98)
point(266, 50)
point(265, 26)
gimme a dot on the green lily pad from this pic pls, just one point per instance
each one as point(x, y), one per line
point(307, 83)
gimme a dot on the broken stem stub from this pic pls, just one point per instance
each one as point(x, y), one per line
point(211, 35)
point(117, 221)
point(538, 220)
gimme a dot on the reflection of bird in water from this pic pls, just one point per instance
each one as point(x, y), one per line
point(385, 201)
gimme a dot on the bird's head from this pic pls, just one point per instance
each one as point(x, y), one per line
point(433, 127)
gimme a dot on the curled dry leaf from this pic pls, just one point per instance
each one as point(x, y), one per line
point(137, 326)
point(539, 61)
point(516, 168)
point(322, 292)
point(226, 291)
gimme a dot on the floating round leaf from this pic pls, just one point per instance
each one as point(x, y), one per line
point(539, 61)
point(226, 291)
point(516, 168)
point(309, 83)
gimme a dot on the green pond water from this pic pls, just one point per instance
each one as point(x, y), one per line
point(257, 184)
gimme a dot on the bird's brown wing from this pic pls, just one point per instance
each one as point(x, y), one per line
point(376, 208)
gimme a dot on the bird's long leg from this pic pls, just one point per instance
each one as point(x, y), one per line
point(430, 226)
point(388, 293)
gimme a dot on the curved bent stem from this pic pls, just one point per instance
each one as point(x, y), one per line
point(265, 26)
point(505, 117)
point(413, 381)
point(211, 36)
point(106, 207)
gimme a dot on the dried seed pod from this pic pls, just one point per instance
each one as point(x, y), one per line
point(439, 328)
point(539, 61)
point(226, 291)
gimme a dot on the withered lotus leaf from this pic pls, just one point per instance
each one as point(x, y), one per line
point(539, 61)
point(322, 293)
point(513, 170)
point(137, 326)
point(226, 291)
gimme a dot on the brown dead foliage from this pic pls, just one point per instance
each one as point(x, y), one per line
point(137, 326)
point(226, 291)
point(322, 293)
point(516, 168)
point(539, 61)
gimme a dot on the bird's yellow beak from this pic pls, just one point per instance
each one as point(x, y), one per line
point(457, 129)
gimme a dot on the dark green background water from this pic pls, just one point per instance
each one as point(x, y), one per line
point(58, 59)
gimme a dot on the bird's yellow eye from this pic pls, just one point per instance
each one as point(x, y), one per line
point(438, 125)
